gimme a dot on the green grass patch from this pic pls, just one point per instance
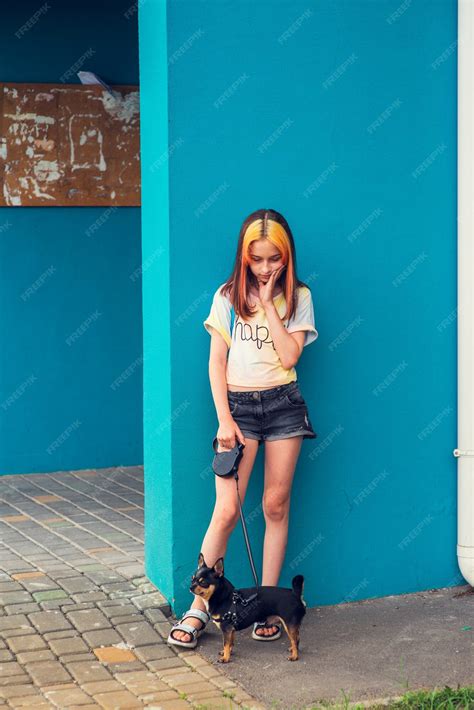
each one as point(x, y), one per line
point(437, 699)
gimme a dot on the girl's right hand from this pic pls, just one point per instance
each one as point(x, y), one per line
point(226, 435)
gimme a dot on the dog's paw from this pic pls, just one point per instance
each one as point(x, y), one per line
point(292, 658)
point(223, 660)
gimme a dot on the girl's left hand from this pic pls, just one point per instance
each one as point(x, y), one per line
point(265, 291)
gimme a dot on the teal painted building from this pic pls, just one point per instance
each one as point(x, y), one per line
point(328, 112)
point(342, 116)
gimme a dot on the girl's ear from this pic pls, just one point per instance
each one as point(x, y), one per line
point(219, 567)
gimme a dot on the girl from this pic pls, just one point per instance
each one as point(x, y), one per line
point(253, 382)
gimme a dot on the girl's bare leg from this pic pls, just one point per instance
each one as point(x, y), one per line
point(223, 521)
point(280, 462)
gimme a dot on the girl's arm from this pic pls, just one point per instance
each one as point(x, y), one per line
point(288, 347)
point(217, 376)
point(228, 431)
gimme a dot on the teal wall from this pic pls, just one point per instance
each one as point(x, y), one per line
point(60, 407)
point(341, 115)
point(161, 518)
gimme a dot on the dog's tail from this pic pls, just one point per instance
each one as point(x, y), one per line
point(297, 583)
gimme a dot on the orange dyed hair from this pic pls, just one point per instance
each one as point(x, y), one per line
point(271, 225)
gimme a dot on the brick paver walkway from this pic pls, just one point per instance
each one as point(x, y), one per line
point(81, 627)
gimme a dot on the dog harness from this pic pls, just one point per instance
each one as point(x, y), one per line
point(237, 612)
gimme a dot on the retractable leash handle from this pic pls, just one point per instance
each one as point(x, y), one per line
point(227, 462)
point(224, 464)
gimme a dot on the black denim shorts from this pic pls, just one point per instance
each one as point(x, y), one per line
point(271, 414)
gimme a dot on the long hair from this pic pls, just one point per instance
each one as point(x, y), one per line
point(271, 225)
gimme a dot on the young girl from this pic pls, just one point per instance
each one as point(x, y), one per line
point(253, 382)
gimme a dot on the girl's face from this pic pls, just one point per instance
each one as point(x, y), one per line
point(264, 259)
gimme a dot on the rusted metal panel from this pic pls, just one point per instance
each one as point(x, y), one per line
point(69, 145)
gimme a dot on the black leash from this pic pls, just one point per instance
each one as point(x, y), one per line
point(226, 463)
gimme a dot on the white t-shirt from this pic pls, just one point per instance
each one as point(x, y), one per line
point(252, 358)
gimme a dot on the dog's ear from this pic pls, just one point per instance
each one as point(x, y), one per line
point(219, 567)
point(201, 560)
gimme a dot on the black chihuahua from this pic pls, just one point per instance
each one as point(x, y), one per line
point(234, 609)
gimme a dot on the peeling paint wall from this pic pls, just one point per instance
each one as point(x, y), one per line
point(69, 145)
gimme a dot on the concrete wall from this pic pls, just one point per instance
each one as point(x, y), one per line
point(341, 115)
point(58, 408)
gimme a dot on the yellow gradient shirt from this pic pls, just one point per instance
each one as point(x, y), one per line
point(252, 358)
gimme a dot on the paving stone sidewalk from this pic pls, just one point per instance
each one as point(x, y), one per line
point(81, 627)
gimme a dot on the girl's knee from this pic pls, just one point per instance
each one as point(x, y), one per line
point(225, 516)
point(275, 506)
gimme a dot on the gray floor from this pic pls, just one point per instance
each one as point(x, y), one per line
point(84, 532)
point(370, 649)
